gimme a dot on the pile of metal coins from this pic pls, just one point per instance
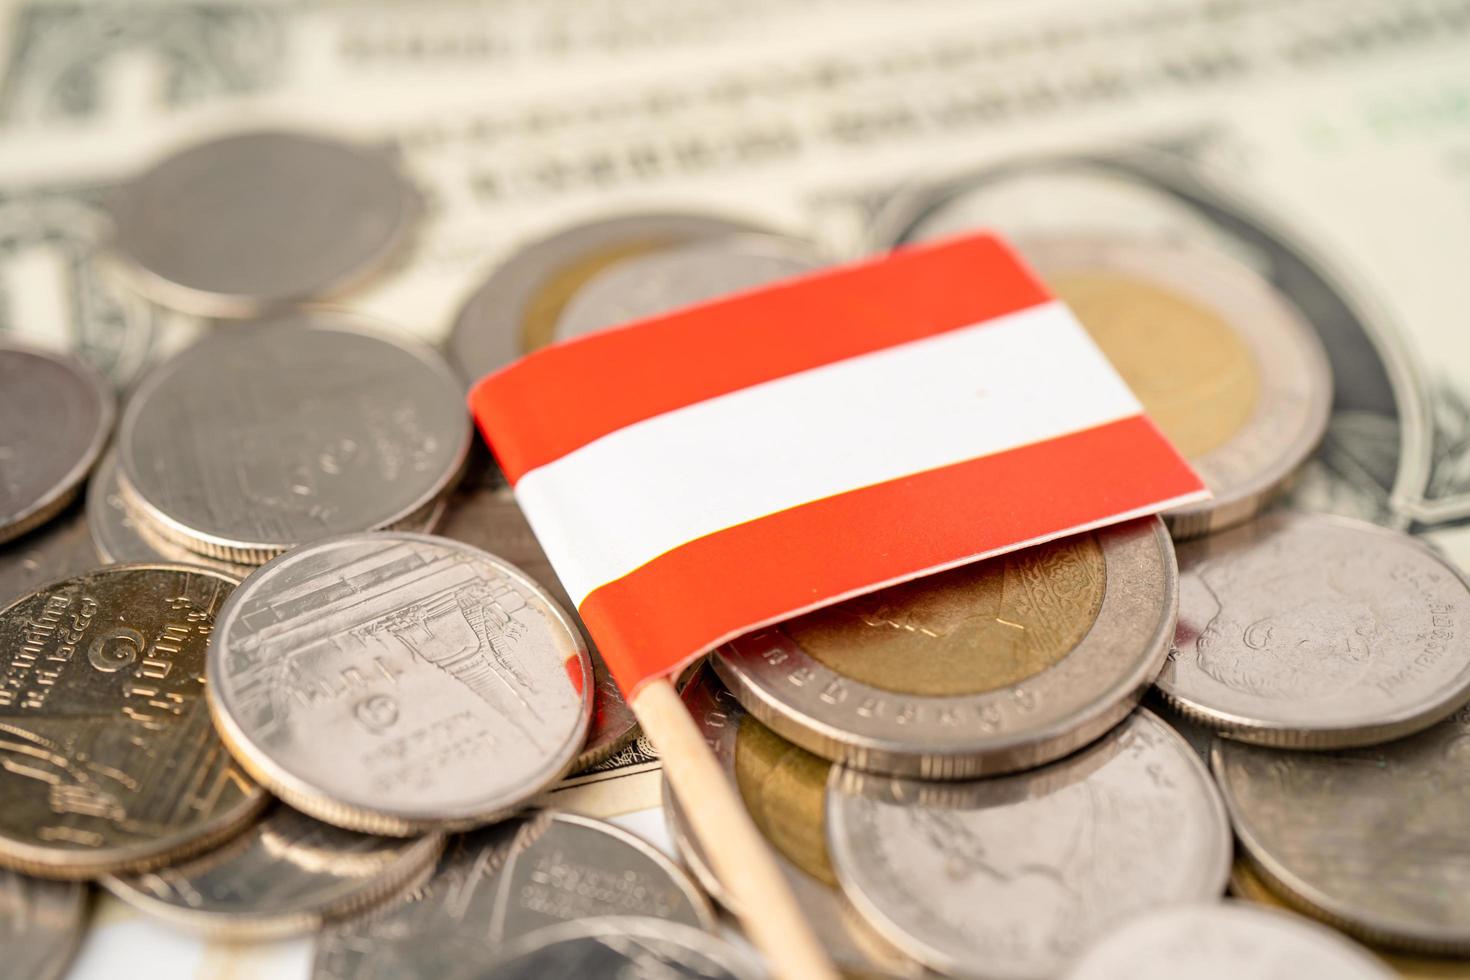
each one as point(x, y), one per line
point(283, 657)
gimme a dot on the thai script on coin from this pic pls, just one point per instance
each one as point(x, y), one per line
point(1015, 876)
point(40, 925)
point(237, 226)
point(270, 435)
point(110, 760)
point(1225, 941)
point(500, 883)
point(622, 947)
point(55, 415)
point(665, 280)
point(286, 875)
point(991, 667)
point(516, 309)
point(1372, 839)
point(394, 682)
point(483, 512)
point(1308, 631)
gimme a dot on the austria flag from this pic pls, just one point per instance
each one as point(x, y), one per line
point(700, 474)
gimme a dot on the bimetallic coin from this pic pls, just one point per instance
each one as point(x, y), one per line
point(1016, 876)
point(647, 285)
point(40, 925)
point(395, 683)
point(992, 667)
point(55, 415)
point(783, 787)
point(483, 512)
point(516, 309)
point(627, 948)
point(237, 226)
point(1307, 631)
point(1221, 362)
point(1225, 941)
point(504, 882)
point(1372, 840)
point(267, 436)
point(58, 549)
point(110, 762)
point(288, 874)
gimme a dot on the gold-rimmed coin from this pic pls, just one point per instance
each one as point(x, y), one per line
point(110, 762)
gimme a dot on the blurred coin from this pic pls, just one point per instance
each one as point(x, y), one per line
point(239, 225)
point(1246, 884)
point(1373, 840)
point(500, 883)
point(56, 550)
point(1225, 941)
point(395, 683)
point(991, 667)
point(109, 759)
point(1220, 360)
point(516, 309)
point(1307, 631)
point(1016, 876)
point(483, 512)
point(783, 787)
point(629, 949)
point(267, 436)
point(284, 876)
point(40, 925)
point(685, 275)
point(55, 416)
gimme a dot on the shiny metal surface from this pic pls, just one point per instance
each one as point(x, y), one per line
point(271, 435)
point(396, 683)
point(635, 949)
point(110, 762)
point(1020, 702)
point(40, 925)
point(237, 226)
point(1306, 631)
point(55, 416)
point(1015, 876)
point(56, 550)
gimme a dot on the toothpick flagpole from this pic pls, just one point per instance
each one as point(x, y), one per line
point(738, 854)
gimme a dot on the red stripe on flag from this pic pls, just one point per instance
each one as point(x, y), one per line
point(562, 397)
point(714, 588)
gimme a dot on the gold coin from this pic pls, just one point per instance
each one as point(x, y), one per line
point(783, 787)
point(545, 306)
point(973, 629)
point(108, 759)
point(1246, 884)
point(1194, 375)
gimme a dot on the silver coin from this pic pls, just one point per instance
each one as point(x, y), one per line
point(267, 436)
point(626, 948)
point(1220, 360)
point(40, 925)
point(1016, 876)
point(483, 512)
point(1307, 631)
point(59, 549)
point(516, 309)
point(286, 875)
point(1373, 840)
point(1226, 941)
point(647, 285)
point(239, 225)
point(505, 882)
point(394, 683)
point(783, 787)
point(55, 415)
point(1024, 658)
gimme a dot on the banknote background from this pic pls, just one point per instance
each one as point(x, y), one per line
point(1325, 142)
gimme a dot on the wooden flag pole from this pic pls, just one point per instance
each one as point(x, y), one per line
point(733, 845)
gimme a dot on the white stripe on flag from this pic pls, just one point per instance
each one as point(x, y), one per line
point(614, 504)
